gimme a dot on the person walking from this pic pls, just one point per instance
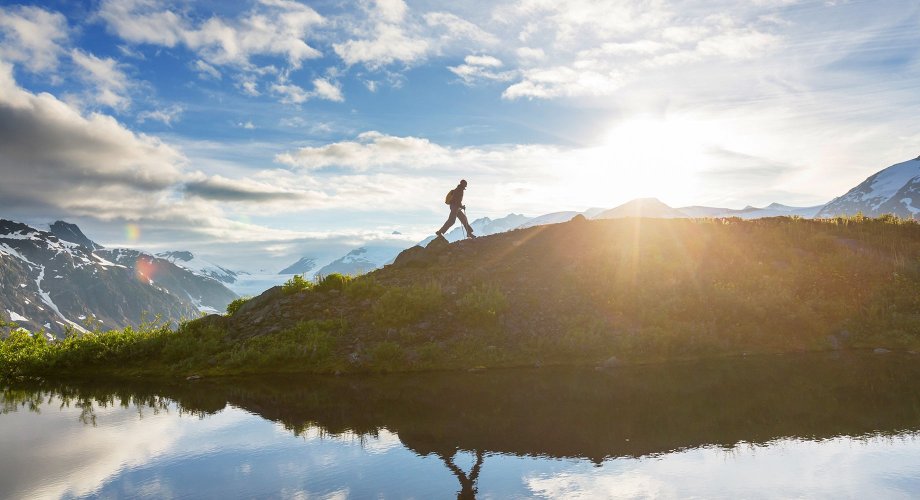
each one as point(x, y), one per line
point(455, 200)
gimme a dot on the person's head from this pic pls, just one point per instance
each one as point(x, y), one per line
point(463, 183)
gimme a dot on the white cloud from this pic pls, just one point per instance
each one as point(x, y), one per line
point(33, 37)
point(324, 89)
point(111, 83)
point(480, 68)
point(388, 43)
point(274, 27)
point(294, 94)
point(166, 115)
point(456, 28)
point(205, 70)
point(54, 155)
point(594, 47)
point(371, 149)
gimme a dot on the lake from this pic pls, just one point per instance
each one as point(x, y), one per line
point(811, 425)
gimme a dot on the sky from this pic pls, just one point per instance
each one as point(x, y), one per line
point(258, 132)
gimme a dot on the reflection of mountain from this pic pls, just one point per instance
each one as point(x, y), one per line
point(625, 411)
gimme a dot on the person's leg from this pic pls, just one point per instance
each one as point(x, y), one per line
point(450, 221)
point(466, 224)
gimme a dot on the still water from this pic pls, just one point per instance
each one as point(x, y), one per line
point(828, 425)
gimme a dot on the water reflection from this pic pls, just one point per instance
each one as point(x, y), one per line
point(474, 425)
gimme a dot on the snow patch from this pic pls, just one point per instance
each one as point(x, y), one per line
point(46, 298)
point(16, 317)
point(907, 204)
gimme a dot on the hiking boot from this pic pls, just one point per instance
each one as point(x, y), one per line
point(470, 235)
point(439, 233)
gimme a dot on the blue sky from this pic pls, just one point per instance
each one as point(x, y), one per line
point(273, 129)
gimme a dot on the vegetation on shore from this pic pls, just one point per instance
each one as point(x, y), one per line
point(574, 293)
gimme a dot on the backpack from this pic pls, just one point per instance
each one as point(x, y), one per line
point(449, 198)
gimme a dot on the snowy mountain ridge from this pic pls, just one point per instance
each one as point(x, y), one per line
point(893, 190)
point(54, 284)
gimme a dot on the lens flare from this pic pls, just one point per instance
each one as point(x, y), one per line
point(132, 232)
point(145, 270)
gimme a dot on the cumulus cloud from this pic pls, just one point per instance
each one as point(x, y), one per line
point(54, 155)
point(594, 47)
point(110, 83)
point(370, 149)
point(274, 27)
point(33, 37)
point(294, 94)
point(477, 68)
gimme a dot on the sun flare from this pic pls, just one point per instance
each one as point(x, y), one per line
point(649, 157)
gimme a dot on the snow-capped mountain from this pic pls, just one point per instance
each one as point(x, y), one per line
point(53, 283)
point(361, 260)
point(201, 267)
point(205, 293)
point(483, 227)
point(641, 207)
point(304, 265)
point(749, 212)
point(553, 218)
point(894, 190)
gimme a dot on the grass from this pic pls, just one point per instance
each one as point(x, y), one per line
point(640, 290)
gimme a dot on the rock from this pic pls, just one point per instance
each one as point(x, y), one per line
point(411, 256)
point(438, 245)
point(578, 219)
point(213, 320)
point(193, 377)
point(834, 342)
point(881, 350)
point(477, 369)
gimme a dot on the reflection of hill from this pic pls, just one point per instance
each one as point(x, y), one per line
point(627, 411)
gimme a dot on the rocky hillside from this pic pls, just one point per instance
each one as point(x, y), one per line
point(589, 290)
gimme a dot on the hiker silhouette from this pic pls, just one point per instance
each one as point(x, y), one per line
point(455, 200)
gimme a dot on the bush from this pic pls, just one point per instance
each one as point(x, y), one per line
point(403, 305)
point(365, 287)
point(236, 304)
point(309, 343)
point(297, 283)
point(482, 305)
point(387, 356)
point(334, 281)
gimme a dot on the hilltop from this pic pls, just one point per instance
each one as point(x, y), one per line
point(582, 292)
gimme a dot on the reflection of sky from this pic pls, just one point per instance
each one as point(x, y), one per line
point(237, 454)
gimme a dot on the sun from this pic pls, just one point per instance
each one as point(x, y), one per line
point(649, 157)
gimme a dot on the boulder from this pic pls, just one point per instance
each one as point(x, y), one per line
point(410, 256)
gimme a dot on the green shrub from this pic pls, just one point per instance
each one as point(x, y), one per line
point(309, 344)
point(387, 356)
point(482, 305)
point(334, 281)
point(365, 287)
point(236, 304)
point(297, 283)
point(401, 306)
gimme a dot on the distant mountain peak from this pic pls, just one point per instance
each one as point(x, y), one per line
point(641, 207)
point(182, 255)
point(892, 190)
point(303, 265)
point(72, 233)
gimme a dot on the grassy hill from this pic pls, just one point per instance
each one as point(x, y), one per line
point(581, 292)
